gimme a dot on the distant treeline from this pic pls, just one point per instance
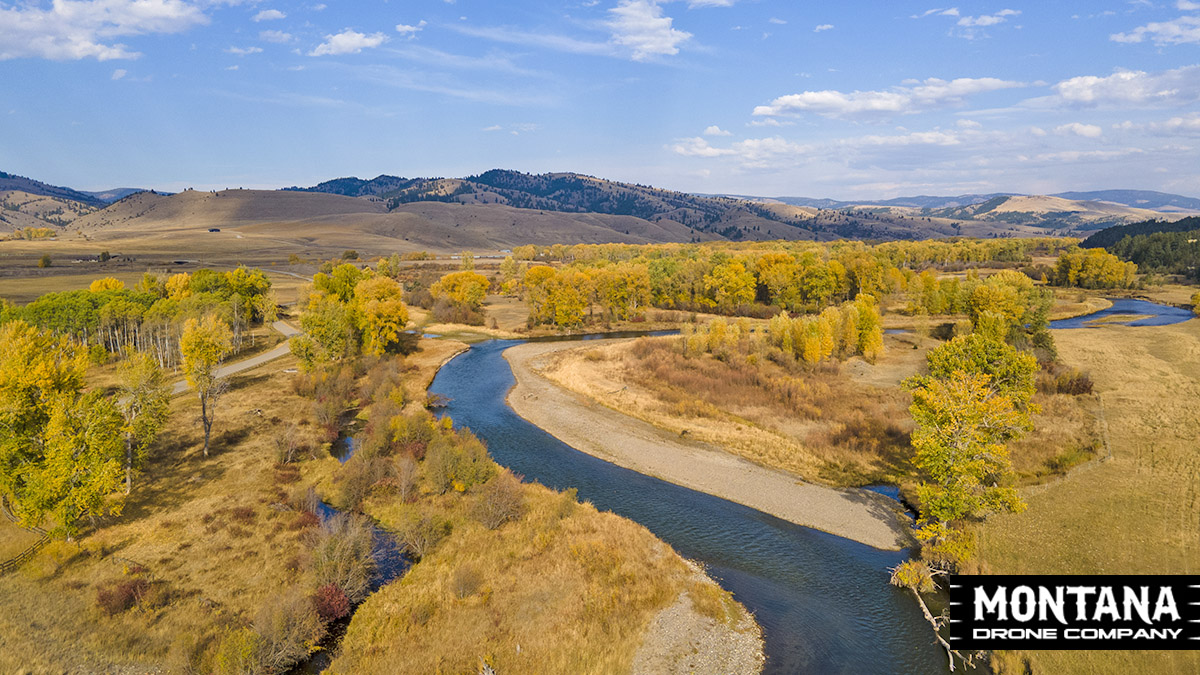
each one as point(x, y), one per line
point(1156, 246)
point(1107, 237)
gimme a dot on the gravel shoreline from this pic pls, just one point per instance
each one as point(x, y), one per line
point(590, 427)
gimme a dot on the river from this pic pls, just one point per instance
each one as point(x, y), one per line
point(1150, 313)
point(824, 602)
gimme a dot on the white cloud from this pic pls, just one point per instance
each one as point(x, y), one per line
point(988, 19)
point(1187, 6)
point(919, 95)
point(276, 36)
point(232, 67)
point(641, 26)
point(1129, 87)
point(494, 127)
point(72, 29)
point(269, 15)
point(244, 51)
point(776, 21)
point(1184, 30)
point(710, 3)
point(348, 42)
point(560, 43)
point(715, 130)
point(1079, 129)
point(953, 11)
point(119, 73)
point(409, 30)
point(824, 26)
point(968, 124)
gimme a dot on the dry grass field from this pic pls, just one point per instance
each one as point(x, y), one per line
point(1137, 513)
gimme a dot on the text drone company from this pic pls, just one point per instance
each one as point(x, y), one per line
point(1072, 612)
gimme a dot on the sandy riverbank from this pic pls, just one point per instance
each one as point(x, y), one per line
point(597, 430)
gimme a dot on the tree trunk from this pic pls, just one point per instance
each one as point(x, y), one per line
point(128, 464)
point(205, 420)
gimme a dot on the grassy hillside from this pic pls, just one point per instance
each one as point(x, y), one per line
point(19, 209)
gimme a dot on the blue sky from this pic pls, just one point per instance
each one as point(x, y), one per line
point(845, 100)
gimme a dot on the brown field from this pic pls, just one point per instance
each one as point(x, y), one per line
point(1136, 513)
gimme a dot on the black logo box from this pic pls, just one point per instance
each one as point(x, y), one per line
point(979, 626)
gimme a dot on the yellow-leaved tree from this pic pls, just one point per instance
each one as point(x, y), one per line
point(106, 284)
point(204, 344)
point(382, 313)
point(465, 289)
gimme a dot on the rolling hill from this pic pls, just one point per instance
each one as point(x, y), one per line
point(20, 209)
point(11, 182)
point(500, 209)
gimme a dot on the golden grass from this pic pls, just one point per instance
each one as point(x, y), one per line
point(1138, 513)
point(564, 589)
point(14, 539)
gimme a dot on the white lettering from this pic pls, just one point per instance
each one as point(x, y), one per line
point(1107, 604)
point(994, 605)
point(1080, 593)
point(1140, 603)
point(1053, 603)
point(1165, 604)
point(1019, 594)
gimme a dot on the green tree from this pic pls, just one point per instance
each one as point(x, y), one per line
point(204, 344)
point(44, 261)
point(1011, 373)
point(81, 465)
point(143, 398)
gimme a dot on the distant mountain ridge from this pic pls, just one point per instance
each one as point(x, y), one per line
point(10, 181)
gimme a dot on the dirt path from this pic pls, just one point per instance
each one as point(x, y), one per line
point(600, 431)
point(282, 349)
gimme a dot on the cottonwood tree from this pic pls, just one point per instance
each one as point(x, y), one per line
point(204, 344)
point(381, 312)
point(60, 450)
point(974, 401)
point(144, 398)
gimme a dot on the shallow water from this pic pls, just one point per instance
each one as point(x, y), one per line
point(823, 601)
point(1153, 314)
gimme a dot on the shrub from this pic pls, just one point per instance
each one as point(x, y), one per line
point(288, 627)
point(120, 596)
point(359, 478)
point(342, 555)
point(243, 514)
point(405, 479)
point(500, 500)
point(421, 533)
point(237, 654)
point(457, 462)
point(465, 581)
point(331, 603)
